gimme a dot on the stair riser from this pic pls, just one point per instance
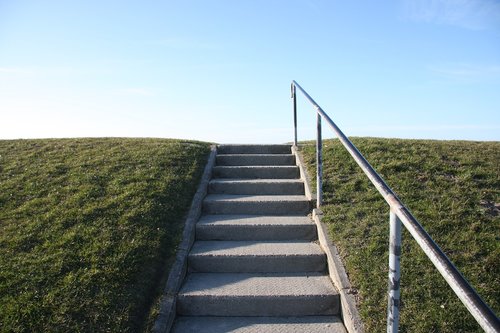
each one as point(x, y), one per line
point(254, 149)
point(285, 172)
point(258, 306)
point(257, 232)
point(291, 188)
point(257, 208)
point(252, 264)
point(237, 160)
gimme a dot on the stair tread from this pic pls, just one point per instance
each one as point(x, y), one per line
point(255, 159)
point(266, 285)
point(255, 248)
point(249, 220)
point(306, 324)
point(255, 155)
point(254, 149)
point(254, 198)
point(256, 167)
point(255, 227)
point(256, 186)
point(255, 180)
point(256, 171)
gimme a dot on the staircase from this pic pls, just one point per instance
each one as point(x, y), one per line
point(255, 265)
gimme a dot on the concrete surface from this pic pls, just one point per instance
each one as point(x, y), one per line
point(256, 256)
point(257, 171)
point(257, 294)
point(257, 186)
point(255, 265)
point(255, 227)
point(255, 159)
point(253, 149)
point(317, 324)
point(256, 204)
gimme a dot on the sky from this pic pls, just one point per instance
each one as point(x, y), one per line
point(220, 70)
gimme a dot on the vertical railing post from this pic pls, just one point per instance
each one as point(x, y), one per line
point(294, 96)
point(393, 296)
point(319, 162)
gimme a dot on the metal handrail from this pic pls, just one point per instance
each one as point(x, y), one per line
point(399, 214)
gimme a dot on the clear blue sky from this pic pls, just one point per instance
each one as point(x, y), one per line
point(220, 70)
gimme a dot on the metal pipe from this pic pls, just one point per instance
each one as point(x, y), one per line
point(393, 292)
point(319, 163)
point(469, 297)
point(483, 314)
point(294, 115)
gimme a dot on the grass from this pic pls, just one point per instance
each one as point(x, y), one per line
point(88, 229)
point(452, 188)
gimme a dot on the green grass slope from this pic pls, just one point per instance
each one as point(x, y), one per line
point(452, 188)
point(88, 229)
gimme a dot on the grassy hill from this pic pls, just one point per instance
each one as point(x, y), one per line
point(88, 229)
point(453, 189)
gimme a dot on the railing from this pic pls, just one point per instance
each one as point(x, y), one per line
point(399, 214)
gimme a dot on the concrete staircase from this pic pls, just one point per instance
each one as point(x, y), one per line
point(255, 265)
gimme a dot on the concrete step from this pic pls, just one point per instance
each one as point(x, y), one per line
point(254, 149)
point(253, 294)
point(256, 171)
point(255, 159)
point(256, 256)
point(256, 204)
point(255, 227)
point(256, 186)
point(310, 324)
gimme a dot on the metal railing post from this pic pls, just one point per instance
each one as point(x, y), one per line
point(294, 115)
point(319, 162)
point(393, 294)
